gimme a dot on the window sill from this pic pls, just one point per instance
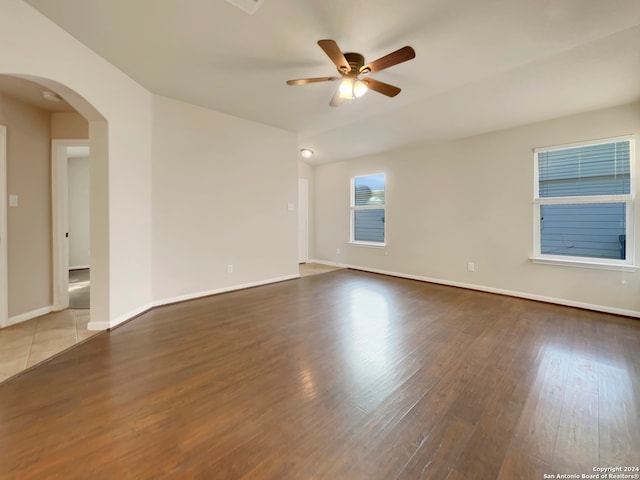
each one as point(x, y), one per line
point(618, 267)
point(368, 244)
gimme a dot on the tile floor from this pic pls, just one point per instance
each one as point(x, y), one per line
point(28, 343)
point(79, 288)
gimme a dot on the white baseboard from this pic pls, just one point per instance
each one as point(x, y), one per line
point(23, 317)
point(120, 319)
point(499, 291)
point(192, 296)
point(98, 326)
point(331, 264)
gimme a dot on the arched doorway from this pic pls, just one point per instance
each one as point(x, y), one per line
point(23, 87)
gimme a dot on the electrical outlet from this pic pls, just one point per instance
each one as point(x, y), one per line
point(230, 268)
point(471, 267)
point(338, 251)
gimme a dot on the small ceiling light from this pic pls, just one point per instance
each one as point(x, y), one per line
point(52, 97)
point(249, 6)
point(306, 153)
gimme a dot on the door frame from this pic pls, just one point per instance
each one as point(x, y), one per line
point(60, 218)
point(4, 264)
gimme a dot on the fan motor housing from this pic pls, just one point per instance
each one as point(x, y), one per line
point(355, 60)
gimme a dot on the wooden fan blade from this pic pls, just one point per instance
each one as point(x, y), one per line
point(304, 81)
point(381, 87)
point(335, 54)
point(394, 58)
point(337, 100)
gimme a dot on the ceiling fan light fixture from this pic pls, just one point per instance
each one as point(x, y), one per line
point(346, 88)
point(350, 65)
point(352, 87)
point(359, 88)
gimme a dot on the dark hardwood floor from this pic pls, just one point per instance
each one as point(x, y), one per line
point(345, 375)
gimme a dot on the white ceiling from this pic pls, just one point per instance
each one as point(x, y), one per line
point(480, 65)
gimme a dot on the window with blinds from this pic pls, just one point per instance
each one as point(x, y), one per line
point(368, 210)
point(583, 201)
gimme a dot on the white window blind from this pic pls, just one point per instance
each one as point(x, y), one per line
point(368, 206)
point(602, 169)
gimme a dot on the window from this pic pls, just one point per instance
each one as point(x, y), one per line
point(583, 203)
point(368, 210)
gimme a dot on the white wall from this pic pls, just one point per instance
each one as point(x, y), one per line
point(221, 185)
point(221, 189)
point(119, 114)
point(471, 201)
point(78, 172)
point(306, 171)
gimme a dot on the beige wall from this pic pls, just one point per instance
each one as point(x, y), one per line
point(221, 191)
point(471, 201)
point(69, 126)
point(28, 224)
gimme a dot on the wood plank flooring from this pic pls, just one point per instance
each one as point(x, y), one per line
point(345, 375)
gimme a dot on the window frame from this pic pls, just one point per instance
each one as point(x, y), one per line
point(354, 208)
point(626, 264)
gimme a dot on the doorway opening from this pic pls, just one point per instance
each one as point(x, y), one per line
point(71, 192)
point(79, 288)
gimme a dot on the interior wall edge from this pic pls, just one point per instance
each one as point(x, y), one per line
point(102, 325)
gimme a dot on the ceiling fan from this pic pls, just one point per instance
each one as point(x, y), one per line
point(350, 65)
